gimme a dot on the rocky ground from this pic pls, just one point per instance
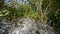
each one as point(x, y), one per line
point(25, 26)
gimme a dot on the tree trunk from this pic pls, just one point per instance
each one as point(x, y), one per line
point(40, 10)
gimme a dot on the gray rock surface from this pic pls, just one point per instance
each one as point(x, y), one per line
point(30, 26)
point(26, 26)
point(4, 26)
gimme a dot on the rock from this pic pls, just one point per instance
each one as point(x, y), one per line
point(32, 27)
point(4, 26)
point(26, 26)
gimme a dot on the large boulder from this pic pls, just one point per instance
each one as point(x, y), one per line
point(30, 26)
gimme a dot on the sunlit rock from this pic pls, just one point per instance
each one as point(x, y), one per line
point(30, 26)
